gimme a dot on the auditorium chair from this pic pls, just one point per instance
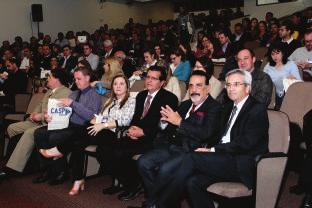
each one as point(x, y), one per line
point(297, 102)
point(252, 44)
point(270, 168)
point(23, 106)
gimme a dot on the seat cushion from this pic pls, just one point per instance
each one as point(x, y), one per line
point(91, 148)
point(229, 189)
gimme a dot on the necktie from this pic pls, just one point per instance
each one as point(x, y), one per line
point(193, 108)
point(78, 96)
point(230, 120)
point(64, 63)
point(146, 105)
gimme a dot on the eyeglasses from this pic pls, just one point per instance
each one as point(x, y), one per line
point(234, 84)
point(152, 78)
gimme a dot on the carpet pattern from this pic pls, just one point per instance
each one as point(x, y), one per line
point(19, 192)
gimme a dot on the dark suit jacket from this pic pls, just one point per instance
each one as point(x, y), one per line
point(71, 63)
point(249, 137)
point(200, 128)
point(150, 122)
point(230, 51)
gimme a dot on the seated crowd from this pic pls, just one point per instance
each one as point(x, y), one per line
point(183, 142)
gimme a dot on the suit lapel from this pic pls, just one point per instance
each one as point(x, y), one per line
point(155, 100)
point(244, 108)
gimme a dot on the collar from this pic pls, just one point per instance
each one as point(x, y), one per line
point(289, 40)
point(200, 104)
point(152, 64)
point(85, 90)
point(153, 94)
point(241, 103)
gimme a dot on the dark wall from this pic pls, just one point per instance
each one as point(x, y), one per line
point(198, 5)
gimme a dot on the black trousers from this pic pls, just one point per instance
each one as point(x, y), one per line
point(45, 139)
point(105, 139)
point(122, 165)
point(156, 167)
point(196, 172)
point(305, 179)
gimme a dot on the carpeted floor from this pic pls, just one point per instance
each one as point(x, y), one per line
point(19, 192)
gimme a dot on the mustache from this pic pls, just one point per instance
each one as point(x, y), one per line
point(195, 94)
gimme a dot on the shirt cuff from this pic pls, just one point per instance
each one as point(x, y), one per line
point(212, 149)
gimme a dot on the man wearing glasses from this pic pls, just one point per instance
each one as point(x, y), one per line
point(142, 131)
point(92, 58)
point(195, 124)
point(262, 85)
point(303, 56)
point(243, 136)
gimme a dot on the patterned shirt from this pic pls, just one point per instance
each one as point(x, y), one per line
point(122, 116)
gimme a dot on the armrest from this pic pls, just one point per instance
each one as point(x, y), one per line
point(270, 155)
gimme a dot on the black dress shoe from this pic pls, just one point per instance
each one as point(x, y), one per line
point(3, 175)
point(112, 190)
point(296, 189)
point(59, 179)
point(307, 202)
point(43, 177)
point(130, 195)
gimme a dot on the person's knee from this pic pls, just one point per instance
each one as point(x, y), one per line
point(144, 164)
point(191, 184)
point(11, 130)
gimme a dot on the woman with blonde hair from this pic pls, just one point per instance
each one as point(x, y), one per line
point(111, 68)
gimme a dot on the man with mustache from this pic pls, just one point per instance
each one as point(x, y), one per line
point(194, 125)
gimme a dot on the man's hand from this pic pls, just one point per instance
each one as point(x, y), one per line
point(304, 65)
point(202, 149)
point(35, 117)
point(47, 117)
point(65, 102)
point(291, 77)
point(170, 116)
point(135, 132)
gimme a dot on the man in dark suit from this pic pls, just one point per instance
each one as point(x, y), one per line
point(226, 49)
point(143, 129)
point(68, 62)
point(194, 125)
point(244, 136)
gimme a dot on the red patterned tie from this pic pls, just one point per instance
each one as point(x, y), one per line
point(146, 105)
point(193, 108)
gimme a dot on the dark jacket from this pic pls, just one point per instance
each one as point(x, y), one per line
point(149, 123)
point(201, 128)
point(249, 137)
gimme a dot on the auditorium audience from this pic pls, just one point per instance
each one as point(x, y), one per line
point(285, 32)
point(303, 56)
point(180, 67)
point(141, 133)
point(263, 36)
point(142, 52)
point(193, 125)
point(24, 130)
point(68, 62)
point(262, 85)
point(279, 68)
point(226, 49)
point(243, 136)
point(92, 58)
point(111, 68)
point(117, 113)
point(85, 102)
